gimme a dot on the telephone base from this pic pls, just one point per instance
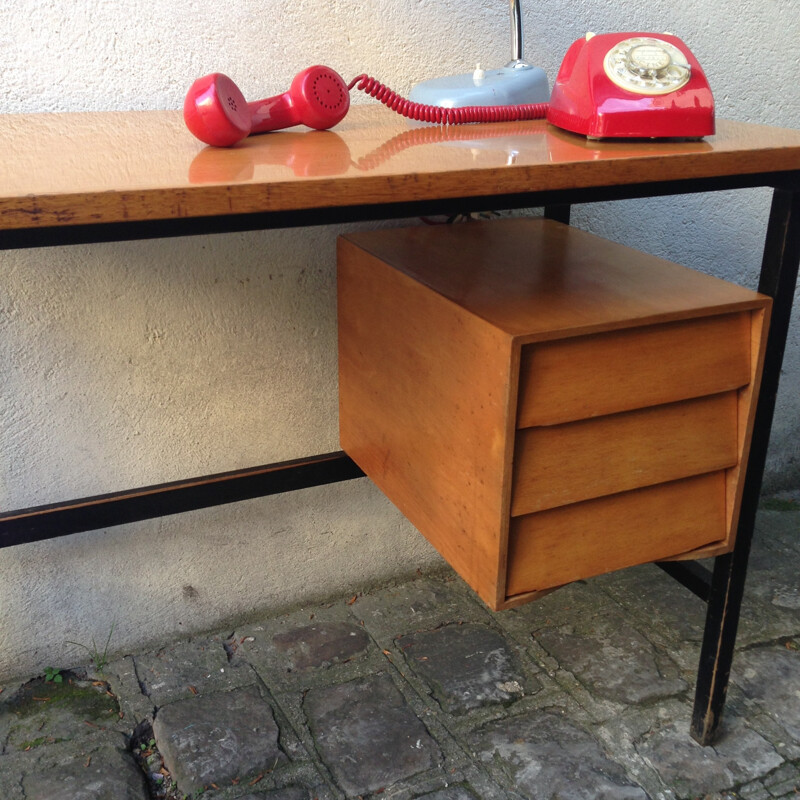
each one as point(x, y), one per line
point(507, 86)
point(600, 95)
point(671, 139)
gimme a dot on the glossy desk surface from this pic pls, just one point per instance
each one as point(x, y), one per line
point(85, 168)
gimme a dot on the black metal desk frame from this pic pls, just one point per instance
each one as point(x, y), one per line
point(721, 589)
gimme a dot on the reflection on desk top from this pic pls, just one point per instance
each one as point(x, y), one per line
point(79, 168)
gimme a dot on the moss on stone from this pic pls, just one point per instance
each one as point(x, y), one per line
point(42, 712)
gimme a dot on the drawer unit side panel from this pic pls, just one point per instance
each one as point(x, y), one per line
point(748, 399)
point(561, 545)
point(425, 411)
point(588, 376)
point(557, 465)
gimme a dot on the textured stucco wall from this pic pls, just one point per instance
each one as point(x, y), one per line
point(134, 363)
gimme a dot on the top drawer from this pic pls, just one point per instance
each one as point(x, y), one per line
point(587, 376)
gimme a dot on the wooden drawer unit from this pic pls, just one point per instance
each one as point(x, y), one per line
point(542, 404)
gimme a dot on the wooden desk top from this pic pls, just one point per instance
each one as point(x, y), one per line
point(79, 168)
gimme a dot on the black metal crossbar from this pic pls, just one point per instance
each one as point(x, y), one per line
point(691, 574)
point(149, 502)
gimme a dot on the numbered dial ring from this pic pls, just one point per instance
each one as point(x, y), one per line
point(647, 66)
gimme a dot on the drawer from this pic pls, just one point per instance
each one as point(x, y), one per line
point(560, 464)
point(554, 547)
point(588, 376)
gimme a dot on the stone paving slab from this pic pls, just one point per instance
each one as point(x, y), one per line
point(81, 762)
point(418, 692)
point(218, 738)
point(653, 602)
point(740, 755)
point(467, 666)
point(107, 772)
point(368, 736)
point(545, 756)
point(768, 676)
point(320, 644)
point(424, 604)
point(182, 670)
point(291, 650)
point(612, 659)
point(135, 706)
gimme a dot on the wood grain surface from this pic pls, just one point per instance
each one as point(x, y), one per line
point(425, 411)
point(78, 168)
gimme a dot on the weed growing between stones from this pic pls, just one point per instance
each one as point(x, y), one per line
point(145, 751)
point(99, 657)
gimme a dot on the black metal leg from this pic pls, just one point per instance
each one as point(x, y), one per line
point(558, 213)
point(778, 279)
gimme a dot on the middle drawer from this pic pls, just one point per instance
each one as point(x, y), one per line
point(555, 465)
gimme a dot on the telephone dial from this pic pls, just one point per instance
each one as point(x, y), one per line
point(633, 85)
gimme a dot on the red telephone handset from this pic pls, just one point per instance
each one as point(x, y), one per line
point(632, 85)
point(216, 112)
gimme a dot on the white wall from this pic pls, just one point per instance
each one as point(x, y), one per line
point(134, 363)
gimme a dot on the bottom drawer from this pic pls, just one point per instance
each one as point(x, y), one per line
point(560, 545)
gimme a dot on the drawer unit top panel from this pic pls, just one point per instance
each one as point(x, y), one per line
point(539, 280)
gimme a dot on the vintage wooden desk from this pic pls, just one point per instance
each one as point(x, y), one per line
point(95, 177)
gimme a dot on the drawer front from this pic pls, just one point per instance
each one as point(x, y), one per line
point(589, 376)
point(561, 464)
point(573, 542)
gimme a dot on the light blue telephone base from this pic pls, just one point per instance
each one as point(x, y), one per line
point(507, 86)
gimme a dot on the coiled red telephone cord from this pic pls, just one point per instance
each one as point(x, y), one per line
point(445, 116)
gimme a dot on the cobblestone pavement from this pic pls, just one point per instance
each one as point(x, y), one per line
point(418, 691)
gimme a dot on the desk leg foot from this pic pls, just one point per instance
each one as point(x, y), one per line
point(722, 619)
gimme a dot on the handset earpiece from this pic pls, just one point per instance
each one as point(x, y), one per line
point(216, 112)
